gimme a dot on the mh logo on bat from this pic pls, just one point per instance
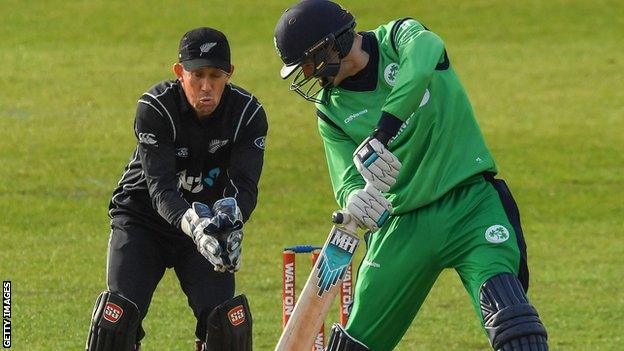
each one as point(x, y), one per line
point(334, 259)
point(344, 241)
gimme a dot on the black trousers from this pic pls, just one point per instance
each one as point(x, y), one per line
point(138, 257)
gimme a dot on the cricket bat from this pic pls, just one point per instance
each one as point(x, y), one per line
point(322, 286)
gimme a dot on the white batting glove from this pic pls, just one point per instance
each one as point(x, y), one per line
point(377, 165)
point(369, 207)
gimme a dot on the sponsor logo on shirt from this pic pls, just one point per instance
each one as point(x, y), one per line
point(148, 139)
point(423, 102)
point(260, 142)
point(403, 126)
point(496, 234)
point(390, 73)
point(215, 145)
point(190, 183)
point(355, 115)
point(182, 152)
point(212, 176)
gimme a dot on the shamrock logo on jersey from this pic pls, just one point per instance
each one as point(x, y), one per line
point(496, 234)
point(390, 73)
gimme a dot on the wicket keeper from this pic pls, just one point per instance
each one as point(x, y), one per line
point(190, 185)
point(408, 161)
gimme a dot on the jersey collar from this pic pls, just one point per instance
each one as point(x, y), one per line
point(366, 79)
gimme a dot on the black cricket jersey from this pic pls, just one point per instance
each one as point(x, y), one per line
point(180, 159)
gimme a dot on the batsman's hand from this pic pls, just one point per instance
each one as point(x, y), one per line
point(369, 207)
point(377, 165)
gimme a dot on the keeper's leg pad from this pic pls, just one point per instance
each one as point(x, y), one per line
point(114, 324)
point(228, 326)
point(340, 340)
point(510, 321)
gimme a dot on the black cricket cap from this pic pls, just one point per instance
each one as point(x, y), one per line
point(304, 24)
point(204, 47)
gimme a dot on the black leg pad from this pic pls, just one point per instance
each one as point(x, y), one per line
point(510, 321)
point(228, 327)
point(114, 324)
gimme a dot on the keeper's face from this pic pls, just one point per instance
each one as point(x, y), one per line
point(203, 87)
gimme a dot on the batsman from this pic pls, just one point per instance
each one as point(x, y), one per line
point(408, 161)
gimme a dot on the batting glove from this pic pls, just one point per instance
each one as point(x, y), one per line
point(377, 165)
point(369, 207)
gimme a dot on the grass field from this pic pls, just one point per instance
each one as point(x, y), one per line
point(545, 79)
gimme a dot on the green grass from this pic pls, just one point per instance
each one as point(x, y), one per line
point(544, 78)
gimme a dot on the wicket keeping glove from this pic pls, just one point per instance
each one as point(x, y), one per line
point(194, 223)
point(369, 207)
point(227, 226)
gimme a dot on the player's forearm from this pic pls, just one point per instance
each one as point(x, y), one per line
point(387, 127)
point(247, 200)
point(244, 175)
point(243, 186)
point(342, 194)
point(339, 152)
point(169, 204)
point(344, 181)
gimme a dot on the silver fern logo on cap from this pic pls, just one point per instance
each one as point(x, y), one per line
point(205, 47)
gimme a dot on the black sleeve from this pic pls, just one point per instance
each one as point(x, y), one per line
point(155, 133)
point(246, 162)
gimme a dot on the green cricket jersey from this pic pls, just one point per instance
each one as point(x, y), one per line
point(409, 76)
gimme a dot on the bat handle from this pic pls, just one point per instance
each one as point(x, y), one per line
point(345, 219)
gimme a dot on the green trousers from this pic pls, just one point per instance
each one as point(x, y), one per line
point(472, 228)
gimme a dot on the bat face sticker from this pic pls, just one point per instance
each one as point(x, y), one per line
point(334, 259)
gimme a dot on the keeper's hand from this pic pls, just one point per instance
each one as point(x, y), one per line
point(227, 226)
point(218, 236)
point(369, 207)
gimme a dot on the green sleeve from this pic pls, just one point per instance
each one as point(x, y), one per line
point(339, 149)
point(419, 51)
